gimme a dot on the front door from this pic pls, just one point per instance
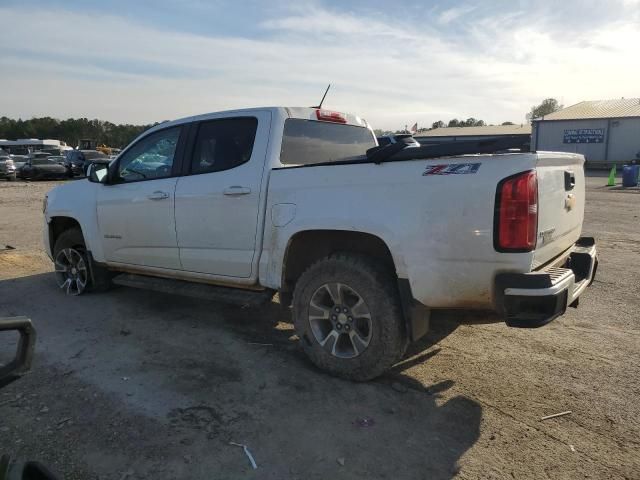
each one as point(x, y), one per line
point(136, 210)
point(217, 203)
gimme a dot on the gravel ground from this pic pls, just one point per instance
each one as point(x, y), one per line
point(139, 385)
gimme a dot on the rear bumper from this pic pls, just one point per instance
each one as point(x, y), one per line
point(534, 299)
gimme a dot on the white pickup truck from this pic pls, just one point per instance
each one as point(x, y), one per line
point(363, 241)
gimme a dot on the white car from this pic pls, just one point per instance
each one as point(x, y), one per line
point(7, 168)
point(407, 138)
point(363, 242)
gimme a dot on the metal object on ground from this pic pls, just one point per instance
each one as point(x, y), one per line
point(561, 414)
point(26, 345)
point(247, 453)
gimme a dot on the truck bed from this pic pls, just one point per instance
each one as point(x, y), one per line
point(435, 215)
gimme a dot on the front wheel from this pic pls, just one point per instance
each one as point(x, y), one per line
point(348, 316)
point(75, 274)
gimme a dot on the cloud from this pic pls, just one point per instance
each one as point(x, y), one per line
point(452, 14)
point(388, 69)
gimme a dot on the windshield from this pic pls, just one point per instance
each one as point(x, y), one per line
point(306, 142)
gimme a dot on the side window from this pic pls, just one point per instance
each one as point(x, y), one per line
point(223, 144)
point(150, 158)
point(383, 141)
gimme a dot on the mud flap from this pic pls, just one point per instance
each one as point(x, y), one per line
point(416, 315)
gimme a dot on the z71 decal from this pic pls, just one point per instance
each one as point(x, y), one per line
point(452, 169)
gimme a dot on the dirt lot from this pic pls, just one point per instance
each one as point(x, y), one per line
point(139, 385)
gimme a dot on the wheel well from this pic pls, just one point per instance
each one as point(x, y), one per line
point(59, 225)
point(305, 248)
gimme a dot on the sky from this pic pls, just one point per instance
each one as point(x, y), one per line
point(393, 63)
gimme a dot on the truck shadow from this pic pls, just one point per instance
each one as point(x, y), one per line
point(269, 391)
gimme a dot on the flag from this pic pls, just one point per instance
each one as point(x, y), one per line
point(414, 129)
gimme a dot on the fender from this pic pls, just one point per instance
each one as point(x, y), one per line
point(77, 200)
point(278, 239)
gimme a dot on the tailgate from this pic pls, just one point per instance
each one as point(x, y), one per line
point(561, 197)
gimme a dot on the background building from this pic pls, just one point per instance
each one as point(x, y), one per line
point(604, 131)
point(25, 146)
point(453, 134)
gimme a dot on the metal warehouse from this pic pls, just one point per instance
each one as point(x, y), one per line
point(606, 132)
point(453, 134)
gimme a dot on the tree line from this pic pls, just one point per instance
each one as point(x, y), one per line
point(469, 122)
point(547, 106)
point(71, 130)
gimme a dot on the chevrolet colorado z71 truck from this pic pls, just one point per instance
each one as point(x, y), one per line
point(363, 241)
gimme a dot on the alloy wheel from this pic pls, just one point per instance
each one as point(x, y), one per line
point(71, 271)
point(340, 320)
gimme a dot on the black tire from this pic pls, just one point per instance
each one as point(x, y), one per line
point(375, 285)
point(99, 278)
point(11, 178)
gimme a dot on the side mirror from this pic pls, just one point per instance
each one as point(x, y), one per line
point(97, 173)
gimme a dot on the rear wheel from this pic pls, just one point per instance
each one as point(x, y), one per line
point(348, 316)
point(74, 270)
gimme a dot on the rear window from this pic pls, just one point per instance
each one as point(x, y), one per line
point(306, 142)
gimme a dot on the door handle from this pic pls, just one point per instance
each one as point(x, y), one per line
point(236, 190)
point(569, 180)
point(158, 195)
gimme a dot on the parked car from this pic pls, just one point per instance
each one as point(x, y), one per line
point(400, 137)
point(7, 168)
point(39, 155)
point(19, 161)
point(363, 242)
point(77, 161)
point(43, 168)
point(59, 159)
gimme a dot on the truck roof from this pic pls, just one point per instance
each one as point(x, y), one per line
point(306, 113)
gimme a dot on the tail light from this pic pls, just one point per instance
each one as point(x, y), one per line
point(329, 116)
point(516, 213)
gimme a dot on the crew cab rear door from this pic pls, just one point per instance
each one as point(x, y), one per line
point(218, 197)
